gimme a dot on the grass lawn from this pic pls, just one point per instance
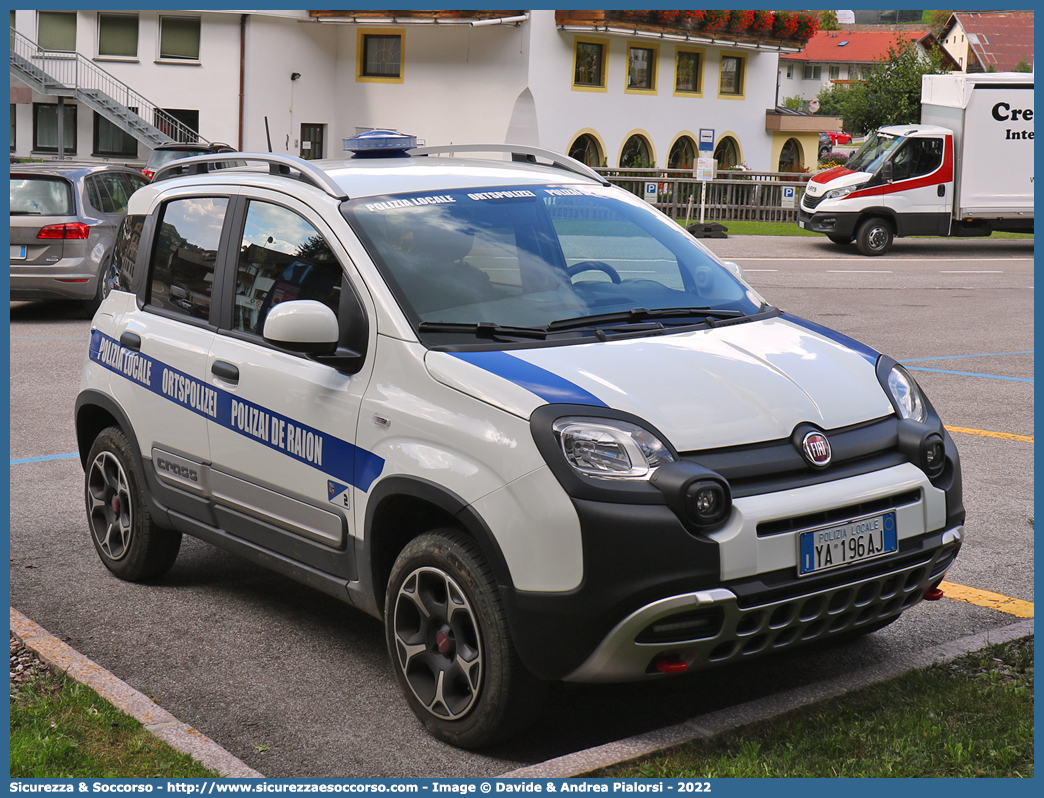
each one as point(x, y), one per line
point(969, 718)
point(63, 729)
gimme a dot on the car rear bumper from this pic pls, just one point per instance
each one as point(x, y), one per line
point(71, 278)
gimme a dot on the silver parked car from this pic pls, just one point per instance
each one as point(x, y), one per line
point(64, 218)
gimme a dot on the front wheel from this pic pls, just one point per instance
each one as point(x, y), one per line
point(124, 534)
point(450, 644)
point(874, 237)
point(841, 241)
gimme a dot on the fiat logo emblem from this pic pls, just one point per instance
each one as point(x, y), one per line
point(816, 448)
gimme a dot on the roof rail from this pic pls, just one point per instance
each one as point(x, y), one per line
point(519, 152)
point(285, 165)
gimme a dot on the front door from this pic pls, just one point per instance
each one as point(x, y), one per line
point(312, 142)
point(282, 445)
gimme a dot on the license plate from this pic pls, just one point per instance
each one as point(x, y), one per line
point(801, 225)
point(844, 544)
point(17, 252)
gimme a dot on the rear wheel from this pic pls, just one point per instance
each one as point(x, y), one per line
point(125, 537)
point(450, 644)
point(874, 237)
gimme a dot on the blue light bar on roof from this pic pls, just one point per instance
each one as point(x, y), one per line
point(380, 144)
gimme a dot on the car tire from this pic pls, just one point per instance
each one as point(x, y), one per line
point(824, 152)
point(874, 237)
point(126, 538)
point(450, 645)
point(841, 241)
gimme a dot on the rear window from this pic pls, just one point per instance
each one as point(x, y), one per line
point(163, 157)
point(41, 196)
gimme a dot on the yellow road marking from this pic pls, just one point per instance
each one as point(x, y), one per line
point(1009, 436)
point(984, 598)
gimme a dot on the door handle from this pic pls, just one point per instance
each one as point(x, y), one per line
point(131, 340)
point(225, 371)
point(941, 191)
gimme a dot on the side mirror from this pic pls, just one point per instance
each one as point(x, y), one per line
point(887, 170)
point(735, 269)
point(303, 326)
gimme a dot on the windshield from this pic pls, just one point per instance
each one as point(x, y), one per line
point(534, 256)
point(874, 152)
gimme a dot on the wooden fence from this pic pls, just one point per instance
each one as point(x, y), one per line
point(752, 196)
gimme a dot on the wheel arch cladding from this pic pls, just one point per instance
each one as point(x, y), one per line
point(402, 508)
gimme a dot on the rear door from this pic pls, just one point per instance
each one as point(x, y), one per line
point(158, 352)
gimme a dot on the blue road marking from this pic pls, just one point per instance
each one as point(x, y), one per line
point(971, 374)
point(25, 460)
point(961, 357)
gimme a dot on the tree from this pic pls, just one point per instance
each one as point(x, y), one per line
point(828, 20)
point(935, 20)
point(891, 91)
point(1023, 66)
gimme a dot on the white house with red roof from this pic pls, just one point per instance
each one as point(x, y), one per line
point(840, 56)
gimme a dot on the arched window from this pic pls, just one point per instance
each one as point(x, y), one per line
point(727, 152)
point(636, 153)
point(790, 157)
point(586, 150)
point(682, 155)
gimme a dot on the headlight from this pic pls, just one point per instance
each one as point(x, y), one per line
point(838, 193)
point(610, 449)
point(906, 394)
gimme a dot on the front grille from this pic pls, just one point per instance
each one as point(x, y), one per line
point(837, 515)
point(778, 465)
point(810, 202)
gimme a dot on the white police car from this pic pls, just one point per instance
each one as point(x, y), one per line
point(513, 411)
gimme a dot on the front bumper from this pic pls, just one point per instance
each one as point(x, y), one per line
point(735, 627)
point(732, 593)
point(829, 223)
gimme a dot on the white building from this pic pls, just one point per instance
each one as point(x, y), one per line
point(608, 91)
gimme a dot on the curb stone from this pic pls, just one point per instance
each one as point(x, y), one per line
point(64, 659)
point(622, 751)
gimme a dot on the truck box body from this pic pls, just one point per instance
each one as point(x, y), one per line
point(966, 170)
point(991, 116)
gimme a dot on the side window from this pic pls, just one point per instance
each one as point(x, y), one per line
point(281, 258)
point(125, 252)
point(918, 157)
point(181, 272)
point(108, 192)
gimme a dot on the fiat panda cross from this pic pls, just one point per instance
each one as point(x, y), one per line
point(509, 409)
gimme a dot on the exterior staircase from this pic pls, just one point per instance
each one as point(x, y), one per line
point(73, 76)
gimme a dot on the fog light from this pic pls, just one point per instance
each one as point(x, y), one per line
point(706, 500)
point(700, 498)
point(933, 455)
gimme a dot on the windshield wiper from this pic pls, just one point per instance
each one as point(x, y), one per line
point(482, 329)
point(644, 314)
